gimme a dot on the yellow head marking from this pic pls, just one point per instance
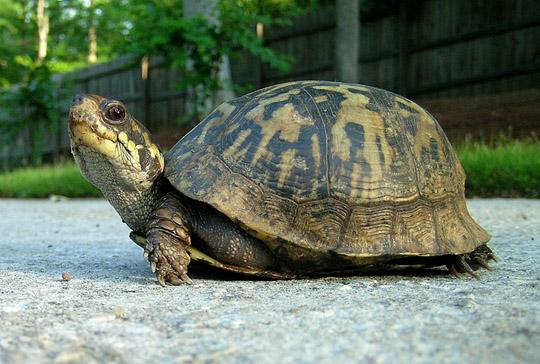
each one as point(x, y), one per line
point(123, 138)
point(94, 127)
point(131, 146)
point(156, 153)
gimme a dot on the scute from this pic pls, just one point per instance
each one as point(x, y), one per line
point(329, 167)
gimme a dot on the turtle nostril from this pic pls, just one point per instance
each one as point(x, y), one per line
point(77, 100)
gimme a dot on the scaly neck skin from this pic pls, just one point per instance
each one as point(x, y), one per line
point(131, 194)
point(134, 207)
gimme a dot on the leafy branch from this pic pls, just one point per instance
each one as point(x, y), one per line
point(31, 105)
point(198, 44)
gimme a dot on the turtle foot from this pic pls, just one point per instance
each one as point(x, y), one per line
point(470, 263)
point(168, 258)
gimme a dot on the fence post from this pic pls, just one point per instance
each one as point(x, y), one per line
point(145, 91)
point(402, 82)
point(347, 40)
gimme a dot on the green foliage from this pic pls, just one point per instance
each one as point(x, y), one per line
point(238, 23)
point(148, 25)
point(282, 8)
point(198, 43)
point(32, 105)
point(40, 182)
point(14, 40)
point(70, 23)
point(68, 44)
point(506, 168)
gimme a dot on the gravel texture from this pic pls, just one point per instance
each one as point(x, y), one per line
point(75, 289)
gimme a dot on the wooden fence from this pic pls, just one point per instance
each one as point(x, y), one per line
point(424, 50)
point(438, 48)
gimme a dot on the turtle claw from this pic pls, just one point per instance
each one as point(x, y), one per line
point(175, 281)
point(460, 266)
point(469, 263)
point(165, 276)
point(453, 270)
point(464, 267)
point(481, 256)
point(493, 257)
point(182, 279)
point(482, 263)
point(161, 280)
point(168, 258)
point(186, 279)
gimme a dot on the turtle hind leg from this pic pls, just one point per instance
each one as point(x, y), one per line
point(471, 262)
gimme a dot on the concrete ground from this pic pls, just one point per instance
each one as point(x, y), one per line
point(113, 311)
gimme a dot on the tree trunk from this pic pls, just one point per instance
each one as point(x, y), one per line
point(92, 35)
point(347, 40)
point(43, 29)
point(92, 46)
point(210, 9)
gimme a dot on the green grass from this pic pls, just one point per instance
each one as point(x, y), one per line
point(37, 182)
point(505, 168)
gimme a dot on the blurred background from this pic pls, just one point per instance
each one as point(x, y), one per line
point(474, 64)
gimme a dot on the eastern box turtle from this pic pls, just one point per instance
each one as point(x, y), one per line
point(293, 180)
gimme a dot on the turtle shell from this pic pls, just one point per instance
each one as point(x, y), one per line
point(334, 168)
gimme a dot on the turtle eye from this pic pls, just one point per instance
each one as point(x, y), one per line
point(116, 114)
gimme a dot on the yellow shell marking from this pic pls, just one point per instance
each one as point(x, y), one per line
point(320, 99)
point(235, 148)
point(316, 150)
point(285, 167)
point(354, 111)
point(226, 109)
point(405, 113)
point(289, 130)
point(342, 89)
point(294, 91)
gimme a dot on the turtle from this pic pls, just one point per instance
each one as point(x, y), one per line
point(301, 179)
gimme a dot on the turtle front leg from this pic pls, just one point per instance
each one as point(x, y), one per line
point(167, 239)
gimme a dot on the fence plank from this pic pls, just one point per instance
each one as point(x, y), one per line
point(438, 49)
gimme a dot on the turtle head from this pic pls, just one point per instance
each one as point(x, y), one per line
point(113, 150)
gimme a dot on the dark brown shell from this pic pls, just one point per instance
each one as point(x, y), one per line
point(333, 168)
